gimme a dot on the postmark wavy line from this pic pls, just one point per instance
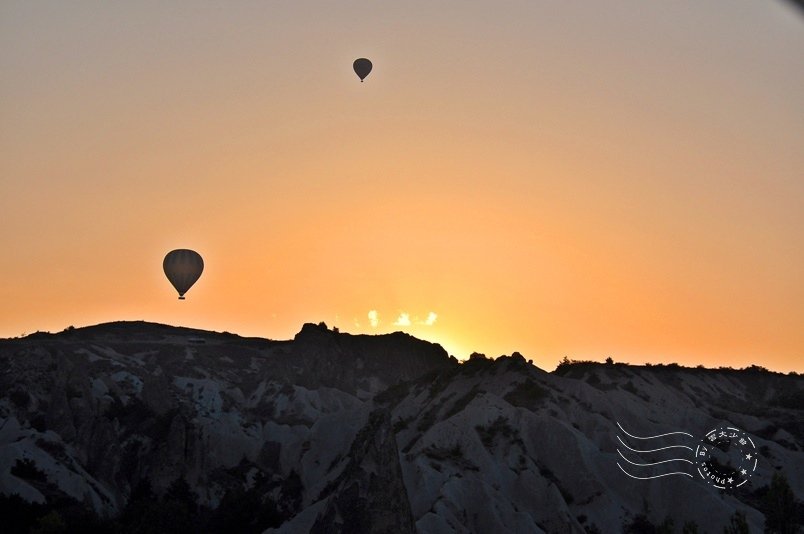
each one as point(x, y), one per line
point(654, 463)
point(651, 437)
point(655, 476)
point(655, 450)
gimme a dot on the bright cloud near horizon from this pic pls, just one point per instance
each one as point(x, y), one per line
point(403, 320)
point(586, 179)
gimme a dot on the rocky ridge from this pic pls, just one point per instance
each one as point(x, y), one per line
point(332, 432)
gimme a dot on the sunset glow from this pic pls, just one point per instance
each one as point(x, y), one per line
point(556, 179)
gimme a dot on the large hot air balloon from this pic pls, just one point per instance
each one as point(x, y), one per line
point(362, 67)
point(183, 268)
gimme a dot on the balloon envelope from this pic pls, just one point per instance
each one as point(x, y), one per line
point(183, 268)
point(362, 67)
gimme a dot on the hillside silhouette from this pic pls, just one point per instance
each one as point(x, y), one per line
point(104, 425)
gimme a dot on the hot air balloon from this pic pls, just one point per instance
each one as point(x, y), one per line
point(362, 67)
point(183, 268)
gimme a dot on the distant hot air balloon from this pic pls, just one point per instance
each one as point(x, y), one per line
point(362, 67)
point(183, 268)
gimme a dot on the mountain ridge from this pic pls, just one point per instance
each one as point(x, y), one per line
point(110, 327)
point(334, 431)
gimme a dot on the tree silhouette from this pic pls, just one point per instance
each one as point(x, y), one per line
point(737, 525)
point(780, 507)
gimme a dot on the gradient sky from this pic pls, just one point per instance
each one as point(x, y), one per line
point(589, 179)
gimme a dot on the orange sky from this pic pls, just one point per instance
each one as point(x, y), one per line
point(557, 178)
